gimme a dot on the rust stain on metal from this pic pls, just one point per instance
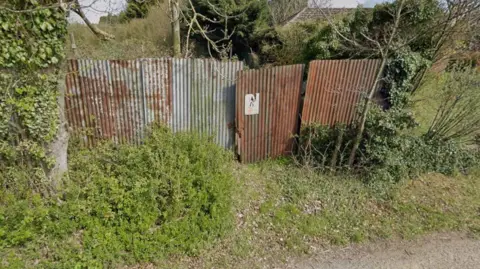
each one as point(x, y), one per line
point(117, 100)
point(334, 88)
point(270, 133)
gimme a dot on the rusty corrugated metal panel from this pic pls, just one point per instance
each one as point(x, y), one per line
point(269, 133)
point(334, 88)
point(204, 98)
point(117, 99)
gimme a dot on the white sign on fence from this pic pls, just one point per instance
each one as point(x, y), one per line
point(252, 104)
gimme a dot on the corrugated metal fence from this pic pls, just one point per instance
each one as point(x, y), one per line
point(116, 100)
point(334, 88)
point(268, 106)
point(204, 98)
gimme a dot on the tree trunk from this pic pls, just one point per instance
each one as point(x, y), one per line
point(57, 149)
point(366, 108)
point(338, 144)
point(175, 28)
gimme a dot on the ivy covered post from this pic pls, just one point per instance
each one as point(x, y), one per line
point(33, 131)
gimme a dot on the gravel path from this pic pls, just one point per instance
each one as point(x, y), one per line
point(432, 252)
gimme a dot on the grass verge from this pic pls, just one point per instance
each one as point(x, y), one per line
point(283, 211)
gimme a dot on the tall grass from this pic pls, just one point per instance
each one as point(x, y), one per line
point(138, 38)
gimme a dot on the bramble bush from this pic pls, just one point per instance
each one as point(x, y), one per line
point(122, 204)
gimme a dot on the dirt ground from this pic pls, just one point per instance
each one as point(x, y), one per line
point(436, 251)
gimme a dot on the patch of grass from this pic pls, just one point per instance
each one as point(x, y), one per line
point(426, 100)
point(138, 38)
point(283, 211)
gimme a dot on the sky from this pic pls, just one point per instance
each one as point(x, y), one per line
point(94, 9)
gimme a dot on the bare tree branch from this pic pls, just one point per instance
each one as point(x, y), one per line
point(219, 45)
point(101, 34)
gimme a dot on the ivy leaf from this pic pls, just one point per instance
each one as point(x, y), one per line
point(19, 90)
point(43, 26)
point(49, 26)
point(47, 12)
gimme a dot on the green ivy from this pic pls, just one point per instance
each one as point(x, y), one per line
point(32, 39)
point(400, 75)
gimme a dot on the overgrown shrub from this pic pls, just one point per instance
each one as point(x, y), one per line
point(388, 152)
point(171, 194)
point(293, 42)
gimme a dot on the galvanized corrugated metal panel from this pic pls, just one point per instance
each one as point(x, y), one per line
point(270, 133)
point(117, 99)
point(334, 88)
point(204, 98)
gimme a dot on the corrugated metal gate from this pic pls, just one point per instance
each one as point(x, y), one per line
point(334, 88)
point(267, 110)
point(116, 100)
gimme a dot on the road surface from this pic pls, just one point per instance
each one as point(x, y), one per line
point(439, 251)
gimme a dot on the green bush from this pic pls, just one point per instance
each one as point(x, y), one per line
point(388, 151)
point(125, 204)
point(293, 43)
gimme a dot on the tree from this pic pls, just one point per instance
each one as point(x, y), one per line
point(458, 24)
point(32, 124)
point(237, 27)
point(175, 21)
point(384, 49)
point(282, 10)
point(77, 8)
